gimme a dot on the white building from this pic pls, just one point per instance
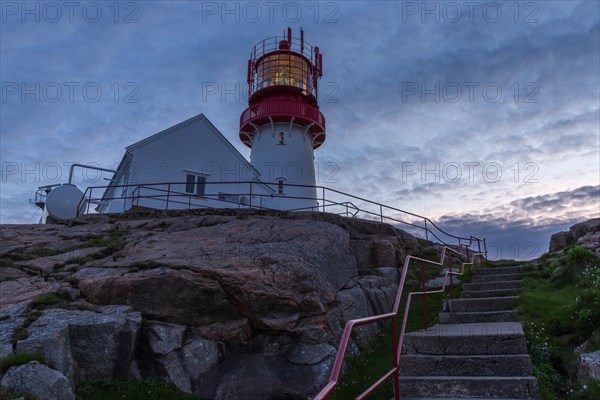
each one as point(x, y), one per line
point(189, 165)
point(192, 165)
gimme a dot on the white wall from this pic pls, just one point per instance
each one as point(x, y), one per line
point(193, 147)
point(292, 161)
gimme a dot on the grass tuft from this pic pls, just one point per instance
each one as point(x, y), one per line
point(560, 310)
point(14, 360)
point(154, 389)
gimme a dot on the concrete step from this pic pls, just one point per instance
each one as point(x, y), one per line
point(469, 386)
point(483, 304)
point(470, 294)
point(467, 339)
point(475, 317)
point(492, 285)
point(499, 270)
point(495, 278)
point(488, 365)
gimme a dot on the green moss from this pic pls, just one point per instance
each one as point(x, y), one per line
point(587, 389)
point(132, 390)
point(111, 242)
point(34, 311)
point(594, 342)
point(11, 394)
point(114, 240)
point(17, 359)
point(46, 300)
point(580, 256)
point(83, 259)
point(429, 253)
point(140, 266)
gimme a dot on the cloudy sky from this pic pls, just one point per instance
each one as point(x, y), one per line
point(483, 116)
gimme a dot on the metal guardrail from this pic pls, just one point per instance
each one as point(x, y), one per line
point(392, 318)
point(329, 200)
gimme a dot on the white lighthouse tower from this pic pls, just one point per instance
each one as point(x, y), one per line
point(283, 124)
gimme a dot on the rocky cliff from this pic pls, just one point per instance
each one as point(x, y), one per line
point(586, 234)
point(223, 303)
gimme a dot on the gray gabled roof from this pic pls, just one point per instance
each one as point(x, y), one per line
point(196, 118)
point(130, 148)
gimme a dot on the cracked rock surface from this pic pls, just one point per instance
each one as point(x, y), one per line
point(232, 300)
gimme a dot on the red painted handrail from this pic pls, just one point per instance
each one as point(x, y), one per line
point(391, 316)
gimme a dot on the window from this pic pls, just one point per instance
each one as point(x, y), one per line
point(195, 184)
point(284, 69)
point(280, 186)
point(229, 198)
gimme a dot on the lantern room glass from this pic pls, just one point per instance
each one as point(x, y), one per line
point(283, 69)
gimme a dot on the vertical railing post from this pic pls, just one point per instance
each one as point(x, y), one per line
point(485, 247)
point(323, 199)
point(426, 230)
point(89, 201)
point(480, 258)
point(396, 381)
point(424, 296)
point(381, 212)
point(469, 264)
point(168, 193)
point(451, 277)
point(250, 203)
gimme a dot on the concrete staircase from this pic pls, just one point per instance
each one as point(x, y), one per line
point(478, 351)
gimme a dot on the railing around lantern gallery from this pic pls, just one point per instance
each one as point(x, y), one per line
point(276, 108)
point(260, 195)
point(392, 318)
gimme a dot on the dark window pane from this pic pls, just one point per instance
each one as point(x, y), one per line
point(200, 185)
point(189, 183)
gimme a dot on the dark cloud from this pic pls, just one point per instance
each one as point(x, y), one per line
point(371, 53)
point(522, 228)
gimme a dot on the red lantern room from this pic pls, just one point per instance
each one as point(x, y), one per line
point(282, 85)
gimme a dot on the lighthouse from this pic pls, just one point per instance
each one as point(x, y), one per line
point(282, 124)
